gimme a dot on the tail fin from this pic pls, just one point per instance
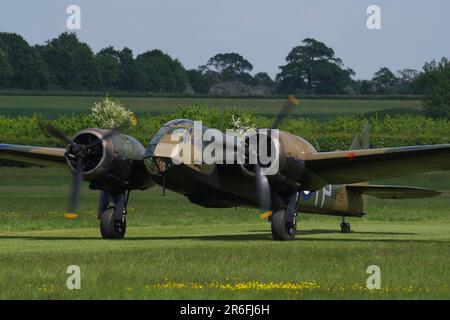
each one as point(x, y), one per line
point(361, 140)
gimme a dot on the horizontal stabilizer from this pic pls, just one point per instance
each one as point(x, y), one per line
point(392, 192)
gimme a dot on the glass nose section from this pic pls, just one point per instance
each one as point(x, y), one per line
point(155, 140)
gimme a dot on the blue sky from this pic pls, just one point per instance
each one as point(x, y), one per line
point(263, 31)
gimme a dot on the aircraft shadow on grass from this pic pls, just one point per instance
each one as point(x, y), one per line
point(253, 235)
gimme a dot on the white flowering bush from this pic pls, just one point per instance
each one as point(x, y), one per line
point(111, 114)
point(241, 124)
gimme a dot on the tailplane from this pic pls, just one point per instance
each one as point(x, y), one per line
point(392, 192)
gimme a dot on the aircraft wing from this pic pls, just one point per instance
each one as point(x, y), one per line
point(35, 155)
point(345, 167)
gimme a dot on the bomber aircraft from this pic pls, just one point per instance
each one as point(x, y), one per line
point(306, 181)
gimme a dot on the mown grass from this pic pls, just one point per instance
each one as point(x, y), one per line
point(51, 106)
point(153, 261)
point(174, 249)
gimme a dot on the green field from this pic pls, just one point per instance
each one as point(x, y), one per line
point(51, 106)
point(174, 249)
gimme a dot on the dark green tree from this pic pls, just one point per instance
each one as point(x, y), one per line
point(28, 69)
point(198, 81)
point(158, 72)
point(365, 87)
point(230, 67)
point(407, 81)
point(71, 63)
point(128, 74)
point(384, 81)
point(107, 61)
point(313, 68)
point(6, 70)
point(434, 81)
point(263, 79)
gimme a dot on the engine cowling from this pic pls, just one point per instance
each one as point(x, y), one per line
point(290, 151)
point(109, 160)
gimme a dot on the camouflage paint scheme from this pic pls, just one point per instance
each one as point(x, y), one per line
point(331, 183)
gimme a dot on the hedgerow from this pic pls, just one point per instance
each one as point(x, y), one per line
point(335, 134)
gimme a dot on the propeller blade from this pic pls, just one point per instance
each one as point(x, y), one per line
point(78, 175)
point(76, 188)
point(285, 110)
point(52, 130)
point(263, 192)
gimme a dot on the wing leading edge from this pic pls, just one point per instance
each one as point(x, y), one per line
point(35, 155)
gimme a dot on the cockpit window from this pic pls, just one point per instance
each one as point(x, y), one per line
point(168, 127)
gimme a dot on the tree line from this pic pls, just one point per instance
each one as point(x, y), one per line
point(66, 63)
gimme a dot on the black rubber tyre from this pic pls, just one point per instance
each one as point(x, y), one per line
point(110, 228)
point(345, 227)
point(282, 230)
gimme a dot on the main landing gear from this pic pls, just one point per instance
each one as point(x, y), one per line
point(112, 213)
point(284, 220)
point(345, 226)
point(284, 227)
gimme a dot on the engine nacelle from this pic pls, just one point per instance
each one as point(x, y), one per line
point(108, 162)
point(290, 151)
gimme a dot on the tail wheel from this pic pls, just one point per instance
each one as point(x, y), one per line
point(111, 228)
point(282, 229)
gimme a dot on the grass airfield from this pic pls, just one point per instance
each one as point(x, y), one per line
point(176, 250)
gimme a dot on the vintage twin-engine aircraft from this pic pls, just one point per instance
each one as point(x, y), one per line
point(329, 183)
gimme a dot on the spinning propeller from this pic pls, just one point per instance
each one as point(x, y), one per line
point(77, 152)
point(263, 192)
